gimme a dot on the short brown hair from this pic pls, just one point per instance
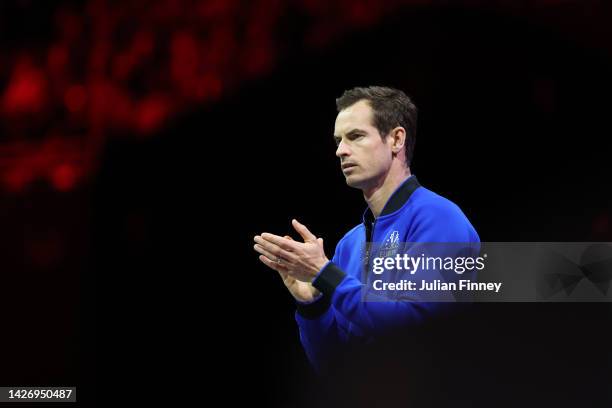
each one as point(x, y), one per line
point(391, 108)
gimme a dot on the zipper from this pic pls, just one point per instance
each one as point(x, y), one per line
point(369, 238)
point(369, 232)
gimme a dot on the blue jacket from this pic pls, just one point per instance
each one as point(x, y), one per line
point(340, 316)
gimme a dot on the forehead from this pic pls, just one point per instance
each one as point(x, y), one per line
point(356, 116)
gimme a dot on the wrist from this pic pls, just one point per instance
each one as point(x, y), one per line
point(315, 295)
point(319, 265)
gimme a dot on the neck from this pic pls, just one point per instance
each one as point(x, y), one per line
point(377, 195)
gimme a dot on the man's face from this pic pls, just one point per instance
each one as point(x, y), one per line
point(364, 158)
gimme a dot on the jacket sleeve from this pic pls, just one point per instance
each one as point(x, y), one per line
point(318, 333)
point(318, 329)
point(435, 223)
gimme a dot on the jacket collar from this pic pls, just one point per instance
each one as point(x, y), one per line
point(397, 199)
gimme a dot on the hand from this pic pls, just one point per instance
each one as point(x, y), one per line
point(301, 291)
point(303, 260)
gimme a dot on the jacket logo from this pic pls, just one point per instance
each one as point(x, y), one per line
point(391, 245)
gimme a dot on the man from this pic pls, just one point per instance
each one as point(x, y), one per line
point(375, 133)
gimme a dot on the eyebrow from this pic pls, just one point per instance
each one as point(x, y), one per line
point(351, 132)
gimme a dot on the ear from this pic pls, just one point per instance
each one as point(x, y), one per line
point(398, 139)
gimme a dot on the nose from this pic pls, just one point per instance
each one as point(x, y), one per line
point(342, 150)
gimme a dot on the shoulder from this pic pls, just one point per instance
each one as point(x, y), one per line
point(348, 242)
point(436, 218)
point(352, 235)
point(426, 203)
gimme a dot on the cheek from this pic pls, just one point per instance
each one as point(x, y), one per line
point(381, 153)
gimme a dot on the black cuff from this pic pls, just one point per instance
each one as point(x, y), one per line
point(314, 309)
point(329, 278)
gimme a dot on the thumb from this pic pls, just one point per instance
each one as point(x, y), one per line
point(303, 231)
point(283, 274)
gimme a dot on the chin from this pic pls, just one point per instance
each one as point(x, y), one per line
point(356, 182)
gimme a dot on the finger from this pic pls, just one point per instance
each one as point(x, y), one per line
point(273, 252)
point(273, 249)
point(284, 271)
point(265, 253)
point(303, 231)
point(269, 263)
point(280, 268)
point(283, 243)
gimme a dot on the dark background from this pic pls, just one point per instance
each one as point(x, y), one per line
point(138, 272)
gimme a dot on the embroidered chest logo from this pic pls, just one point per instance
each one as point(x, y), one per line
point(390, 245)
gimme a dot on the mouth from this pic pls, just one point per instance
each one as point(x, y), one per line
point(347, 166)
